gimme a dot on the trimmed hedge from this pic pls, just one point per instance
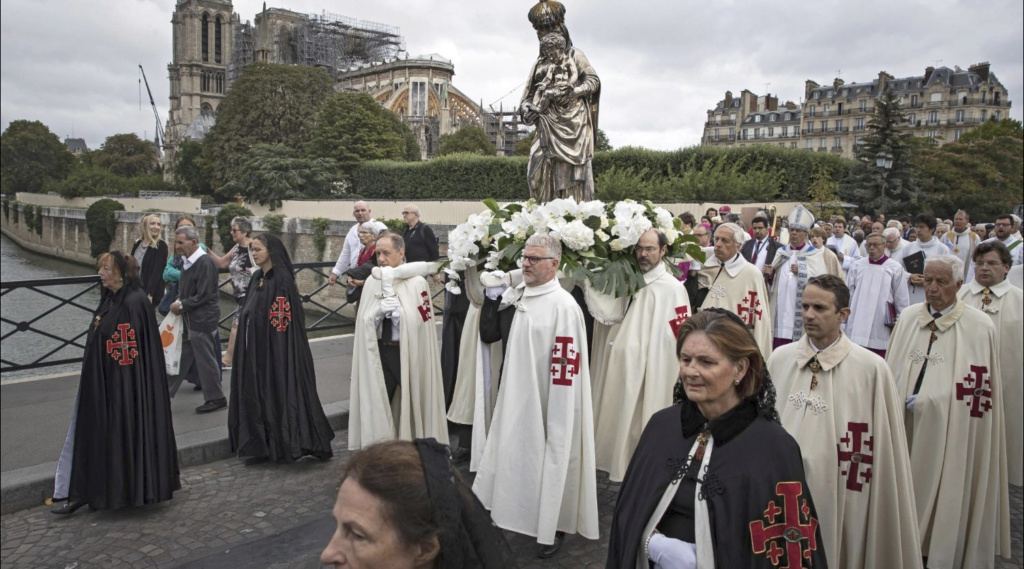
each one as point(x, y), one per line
point(696, 173)
point(102, 224)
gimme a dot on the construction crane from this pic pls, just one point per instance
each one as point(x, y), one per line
point(160, 140)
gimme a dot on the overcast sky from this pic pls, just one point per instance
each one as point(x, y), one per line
point(73, 64)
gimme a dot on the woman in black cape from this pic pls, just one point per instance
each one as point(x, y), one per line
point(120, 449)
point(274, 412)
point(715, 480)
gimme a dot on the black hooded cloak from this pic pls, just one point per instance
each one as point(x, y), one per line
point(125, 453)
point(753, 464)
point(274, 411)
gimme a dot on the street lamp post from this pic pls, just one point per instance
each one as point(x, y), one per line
point(884, 161)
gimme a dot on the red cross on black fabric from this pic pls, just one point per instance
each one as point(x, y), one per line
point(122, 345)
point(786, 543)
point(280, 313)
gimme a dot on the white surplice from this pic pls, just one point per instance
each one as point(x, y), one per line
point(930, 249)
point(872, 289)
point(788, 289)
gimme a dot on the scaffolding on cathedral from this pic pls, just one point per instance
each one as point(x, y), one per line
point(242, 52)
point(338, 43)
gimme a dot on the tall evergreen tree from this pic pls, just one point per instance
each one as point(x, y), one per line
point(886, 134)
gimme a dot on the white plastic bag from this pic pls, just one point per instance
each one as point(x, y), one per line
point(170, 338)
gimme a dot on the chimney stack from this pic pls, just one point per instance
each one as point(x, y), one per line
point(808, 87)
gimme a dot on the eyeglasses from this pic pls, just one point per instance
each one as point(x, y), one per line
point(408, 212)
point(534, 260)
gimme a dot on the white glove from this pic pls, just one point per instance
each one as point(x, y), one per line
point(910, 402)
point(670, 553)
point(494, 292)
point(389, 305)
point(494, 279)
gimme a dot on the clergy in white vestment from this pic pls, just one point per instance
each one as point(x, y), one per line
point(878, 294)
point(396, 389)
point(1016, 276)
point(794, 264)
point(929, 246)
point(351, 247)
point(839, 402)
point(817, 236)
point(944, 357)
point(992, 293)
point(847, 250)
point(962, 240)
point(538, 474)
point(895, 244)
point(737, 286)
point(634, 365)
point(1007, 232)
point(480, 361)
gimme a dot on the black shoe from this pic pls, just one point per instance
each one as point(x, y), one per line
point(546, 551)
point(212, 405)
point(460, 455)
point(252, 460)
point(67, 507)
point(197, 387)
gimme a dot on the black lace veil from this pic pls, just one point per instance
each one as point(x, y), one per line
point(467, 534)
point(765, 397)
point(278, 255)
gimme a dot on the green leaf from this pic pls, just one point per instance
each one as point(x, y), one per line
point(492, 204)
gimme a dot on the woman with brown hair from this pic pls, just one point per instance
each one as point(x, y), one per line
point(150, 252)
point(715, 480)
point(119, 450)
point(401, 505)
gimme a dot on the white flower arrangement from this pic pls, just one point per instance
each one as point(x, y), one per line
point(598, 238)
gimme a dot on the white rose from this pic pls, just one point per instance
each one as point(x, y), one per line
point(577, 236)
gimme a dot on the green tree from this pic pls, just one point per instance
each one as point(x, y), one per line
point(31, 157)
point(126, 155)
point(984, 177)
point(601, 142)
point(886, 134)
point(88, 181)
point(271, 173)
point(353, 128)
point(471, 139)
point(824, 199)
point(523, 146)
point(188, 170)
point(268, 104)
point(993, 129)
point(102, 224)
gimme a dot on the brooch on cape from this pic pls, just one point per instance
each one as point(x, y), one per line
point(815, 368)
point(801, 400)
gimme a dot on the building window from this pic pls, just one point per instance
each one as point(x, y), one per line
point(858, 123)
point(732, 133)
point(839, 125)
point(997, 115)
point(732, 117)
point(792, 144)
point(933, 117)
point(204, 25)
point(773, 117)
point(757, 118)
point(960, 115)
point(825, 110)
point(957, 133)
point(418, 99)
point(837, 142)
point(785, 131)
point(936, 97)
point(824, 126)
point(718, 119)
point(983, 93)
point(757, 133)
point(218, 40)
point(716, 134)
point(933, 134)
point(995, 98)
point(746, 132)
point(858, 141)
point(984, 115)
point(771, 131)
point(912, 119)
point(913, 100)
point(810, 144)
point(863, 105)
point(822, 142)
point(810, 111)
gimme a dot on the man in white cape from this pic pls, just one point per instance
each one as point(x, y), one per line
point(737, 286)
point(878, 294)
point(538, 475)
point(839, 402)
point(793, 265)
point(634, 366)
point(397, 293)
point(944, 357)
point(992, 293)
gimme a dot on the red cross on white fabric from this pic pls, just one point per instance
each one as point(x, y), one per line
point(280, 313)
point(565, 361)
point(682, 313)
point(750, 309)
point(122, 345)
point(976, 390)
point(851, 450)
point(426, 311)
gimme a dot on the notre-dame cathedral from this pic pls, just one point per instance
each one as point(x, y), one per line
point(212, 46)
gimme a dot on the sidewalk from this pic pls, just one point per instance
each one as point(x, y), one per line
point(229, 515)
point(34, 417)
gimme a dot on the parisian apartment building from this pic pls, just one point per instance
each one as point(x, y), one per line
point(942, 104)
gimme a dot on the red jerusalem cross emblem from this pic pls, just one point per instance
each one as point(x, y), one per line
point(122, 345)
point(424, 307)
point(749, 309)
point(851, 449)
point(281, 313)
point(682, 313)
point(565, 361)
point(977, 389)
point(796, 527)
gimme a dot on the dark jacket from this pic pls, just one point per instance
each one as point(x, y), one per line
point(420, 244)
point(198, 293)
point(747, 250)
point(151, 272)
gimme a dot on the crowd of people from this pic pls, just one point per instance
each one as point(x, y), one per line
point(802, 395)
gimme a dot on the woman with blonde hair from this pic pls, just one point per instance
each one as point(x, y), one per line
point(150, 252)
